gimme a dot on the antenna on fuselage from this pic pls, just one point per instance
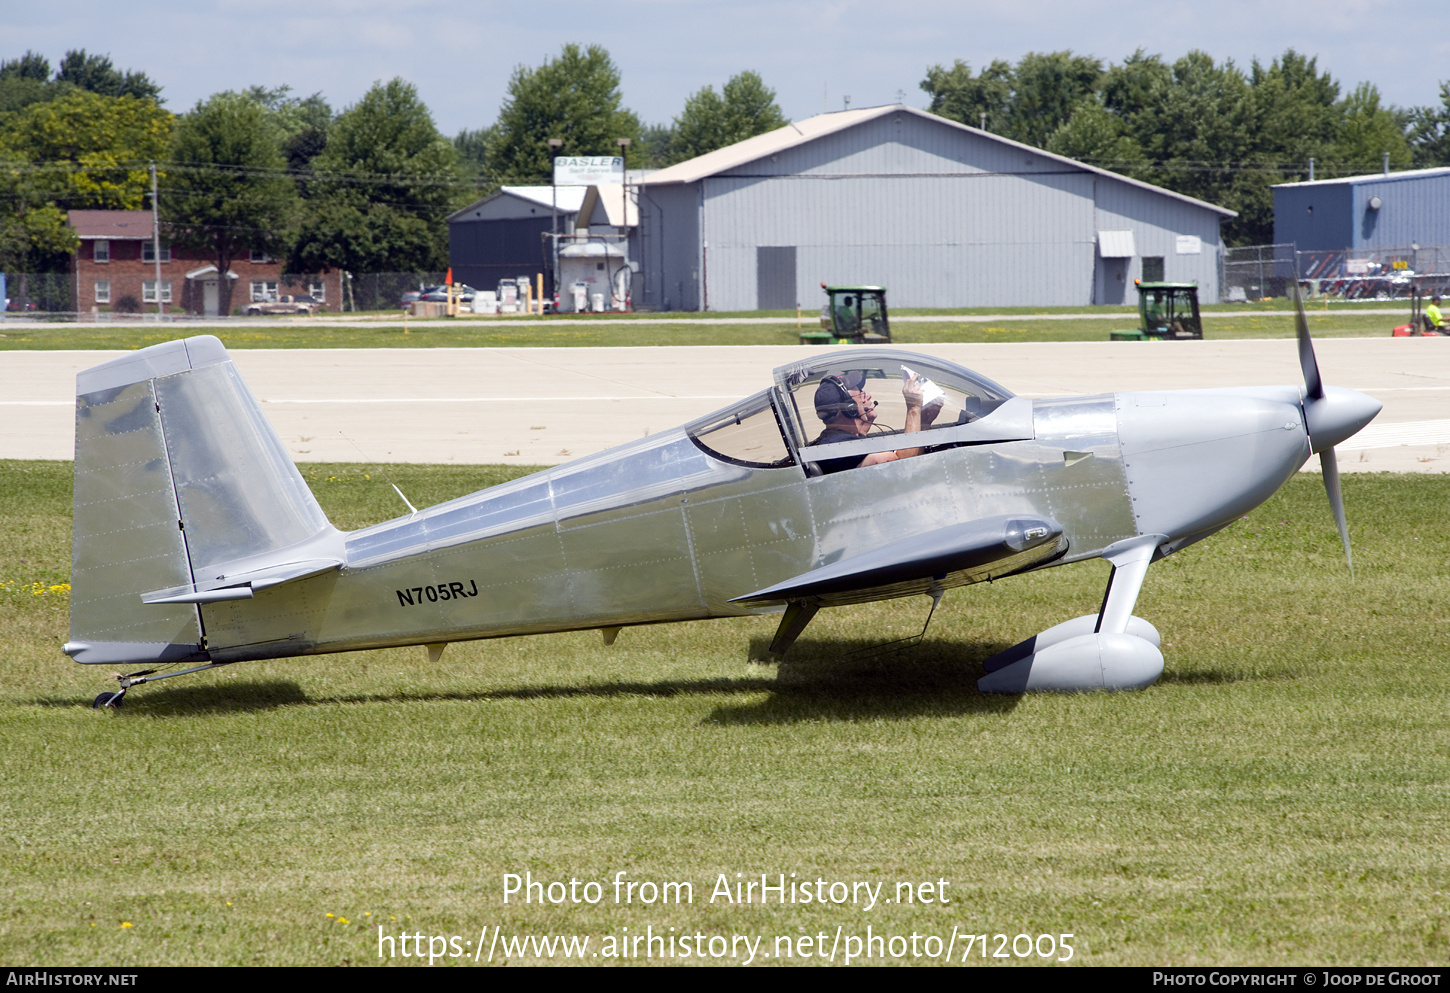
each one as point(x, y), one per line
point(384, 471)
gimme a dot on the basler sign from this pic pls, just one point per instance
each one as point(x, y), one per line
point(588, 170)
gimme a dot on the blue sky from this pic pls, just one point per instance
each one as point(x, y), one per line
point(812, 52)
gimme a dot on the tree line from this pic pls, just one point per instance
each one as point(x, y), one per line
point(365, 189)
point(1197, 127)
point(368, 188)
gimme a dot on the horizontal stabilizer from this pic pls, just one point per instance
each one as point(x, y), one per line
point(242, 585)
point(996, 545)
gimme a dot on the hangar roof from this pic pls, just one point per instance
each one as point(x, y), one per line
point(570, 199)
point(1372, 177)
point(803, 132)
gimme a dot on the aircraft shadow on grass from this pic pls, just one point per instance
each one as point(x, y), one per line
point(852, 680)
point(825, 679)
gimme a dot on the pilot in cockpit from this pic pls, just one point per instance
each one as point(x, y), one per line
point(849, 412)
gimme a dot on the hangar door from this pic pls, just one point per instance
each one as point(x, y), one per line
point(775, 277)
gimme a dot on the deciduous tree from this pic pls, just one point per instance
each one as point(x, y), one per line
point(1428, 132)
point(1367, 133)
point(1046, 88)
point(744, 108)
point(382, 188)
point(976, 100)
point(95, 147)
point(1094, 134)
point(574, 98)
point(96, 74)
point(24, 81)
point(227, 190)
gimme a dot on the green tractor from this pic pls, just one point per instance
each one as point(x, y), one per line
point(1167, 312)
point(852, 315)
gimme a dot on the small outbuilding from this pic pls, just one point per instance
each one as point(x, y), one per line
point(512, 233)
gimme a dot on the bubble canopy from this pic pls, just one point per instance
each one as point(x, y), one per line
point(880, 372)
point(750, 432)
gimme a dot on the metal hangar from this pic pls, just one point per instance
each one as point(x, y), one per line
point(943, 214)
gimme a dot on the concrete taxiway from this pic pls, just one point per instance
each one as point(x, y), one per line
point(547, 405)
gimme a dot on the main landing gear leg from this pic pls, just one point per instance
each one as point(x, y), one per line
point(1109, 650)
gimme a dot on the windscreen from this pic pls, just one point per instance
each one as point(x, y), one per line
point(748, 434)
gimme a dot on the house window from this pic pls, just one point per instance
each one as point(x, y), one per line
point(260, 258)
point(148, 252)
point(103, 291)
point(148, 291)
point(101, 250)
point(318, 291)
point(264, 290)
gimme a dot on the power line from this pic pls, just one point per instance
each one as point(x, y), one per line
point(308, 174)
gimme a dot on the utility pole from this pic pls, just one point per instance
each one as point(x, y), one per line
point(554, 145)
point(156, 242)
point(624, 296)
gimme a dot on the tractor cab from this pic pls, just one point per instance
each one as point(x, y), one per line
point(1166, 312)
point(852, 315)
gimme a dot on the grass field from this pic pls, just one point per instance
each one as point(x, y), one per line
point(1278, 797)
point(1253, 321)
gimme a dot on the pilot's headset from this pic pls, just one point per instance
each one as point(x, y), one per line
point(833, 396)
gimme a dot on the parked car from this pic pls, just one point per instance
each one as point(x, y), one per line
point(439, 294)
point(413, 296)
point(284, 304)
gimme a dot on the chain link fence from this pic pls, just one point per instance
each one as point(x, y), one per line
point(53, 293)
point(383, 290)
point(1252, 272)
point(40, 292)
point(1377, 274)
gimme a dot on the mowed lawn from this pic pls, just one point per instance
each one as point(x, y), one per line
point(1252, 321)
point(1279, 796)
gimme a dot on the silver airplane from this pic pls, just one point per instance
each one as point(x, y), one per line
point(197, 543)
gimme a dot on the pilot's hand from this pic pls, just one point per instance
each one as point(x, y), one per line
point(911, 392)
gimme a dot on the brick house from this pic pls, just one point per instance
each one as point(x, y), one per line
point(115, 271)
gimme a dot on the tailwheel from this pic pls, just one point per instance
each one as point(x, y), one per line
point(112, 700)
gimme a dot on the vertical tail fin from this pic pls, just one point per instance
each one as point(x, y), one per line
point(181, 487)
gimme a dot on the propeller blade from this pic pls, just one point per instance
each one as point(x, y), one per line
point(1320, 414)
point(1313, 385)
point(1330, 466)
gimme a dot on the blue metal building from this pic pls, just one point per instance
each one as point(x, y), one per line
point(942, 214)
point(1379, 211)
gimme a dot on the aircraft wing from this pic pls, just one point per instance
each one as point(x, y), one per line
point(950, 556)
